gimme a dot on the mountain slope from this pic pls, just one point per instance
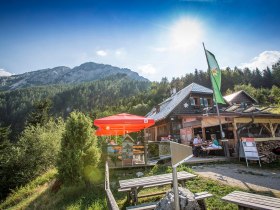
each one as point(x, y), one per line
point(89, 71)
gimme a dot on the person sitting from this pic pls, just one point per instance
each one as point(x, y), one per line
point(197, 145)
point(214, 144)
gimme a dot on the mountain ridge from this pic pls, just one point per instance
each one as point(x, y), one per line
point(86, 72)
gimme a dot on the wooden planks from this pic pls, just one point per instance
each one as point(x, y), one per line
point(111, 202)
point(154, 180)
point(198, 196)
point(205, 149)
point(147, 186)
point(202, 195)
point(253, 201)
point(144, 206)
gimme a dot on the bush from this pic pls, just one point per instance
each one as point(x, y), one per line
point(79, 154)
point(35, 152)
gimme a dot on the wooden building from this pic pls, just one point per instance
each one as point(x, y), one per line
point(191, 111)
point(168, 115)
point(241, 97)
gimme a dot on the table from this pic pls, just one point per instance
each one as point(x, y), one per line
point(252, 201)
point(133, 186)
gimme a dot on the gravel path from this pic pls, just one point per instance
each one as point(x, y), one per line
point(239, 175)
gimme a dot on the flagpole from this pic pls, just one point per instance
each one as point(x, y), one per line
point(217, 108)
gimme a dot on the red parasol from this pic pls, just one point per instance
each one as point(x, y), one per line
point(102, 132)
point(122, 124)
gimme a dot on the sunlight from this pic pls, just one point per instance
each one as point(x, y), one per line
point(185, 33)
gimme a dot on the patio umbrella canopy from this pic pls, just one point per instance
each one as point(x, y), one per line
point(102, 132)
point(121, 124)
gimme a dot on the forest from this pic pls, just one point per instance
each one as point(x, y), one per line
point(33, 119)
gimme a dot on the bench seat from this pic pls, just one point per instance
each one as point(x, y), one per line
point(252, 201)
point(202, 195)
point(206, 149)
point(198, 196)
point(143, 206)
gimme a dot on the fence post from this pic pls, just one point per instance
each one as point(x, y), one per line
point(107, 183)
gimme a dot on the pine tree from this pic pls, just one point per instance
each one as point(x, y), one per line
point(40, 114)
point(79, 155)
point(4, 133)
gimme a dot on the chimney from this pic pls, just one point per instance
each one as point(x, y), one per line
point(157, 108)
point(173, 91)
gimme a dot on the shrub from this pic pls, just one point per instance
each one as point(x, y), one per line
point(79, 154)
point(34, 153)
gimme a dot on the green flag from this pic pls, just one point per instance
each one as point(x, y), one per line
point(215, 75)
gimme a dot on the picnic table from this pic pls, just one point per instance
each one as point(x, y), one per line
point(252, 201)
point(134, 186)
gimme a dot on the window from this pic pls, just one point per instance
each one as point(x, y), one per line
point(201, 102)
point(209, 101)
point(196, 101)
point(206, 102)
point(192, 101)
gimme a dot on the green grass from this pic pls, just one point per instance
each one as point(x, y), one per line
point(38, 194)
point(198, 184)
point(24, 193)
point(195, 185)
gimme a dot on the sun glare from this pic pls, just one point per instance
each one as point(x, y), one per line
point(186, 33)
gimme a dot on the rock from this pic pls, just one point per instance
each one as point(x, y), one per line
point(194, 167)
point(186, 201)
point(139, 174)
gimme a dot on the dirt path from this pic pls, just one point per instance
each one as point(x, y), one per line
point(257, 179)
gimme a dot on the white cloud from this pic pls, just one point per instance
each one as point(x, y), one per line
point(4, 73)
point(263, 60)
point(101, 53)
point(147, 69)
point(120, 52)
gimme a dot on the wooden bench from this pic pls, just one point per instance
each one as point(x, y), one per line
point(133, 186)
point(252, 201)
point(200, 199)
point(198, 196)
point(208, 149)
point(144, 206)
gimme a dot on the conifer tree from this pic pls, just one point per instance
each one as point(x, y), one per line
point(79, 154)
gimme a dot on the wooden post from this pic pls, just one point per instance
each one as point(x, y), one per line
point(272, 129)
point(156, 129)
point(203, 133)
point(107, 182)
point(235, 133)
point(146, 140)
point(236, 144)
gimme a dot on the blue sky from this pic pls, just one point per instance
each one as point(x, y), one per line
point(152, 37)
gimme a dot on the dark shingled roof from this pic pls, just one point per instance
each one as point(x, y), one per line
point(168, 105)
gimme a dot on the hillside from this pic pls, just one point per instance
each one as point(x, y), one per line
point(114, 92)
point(86, 72)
